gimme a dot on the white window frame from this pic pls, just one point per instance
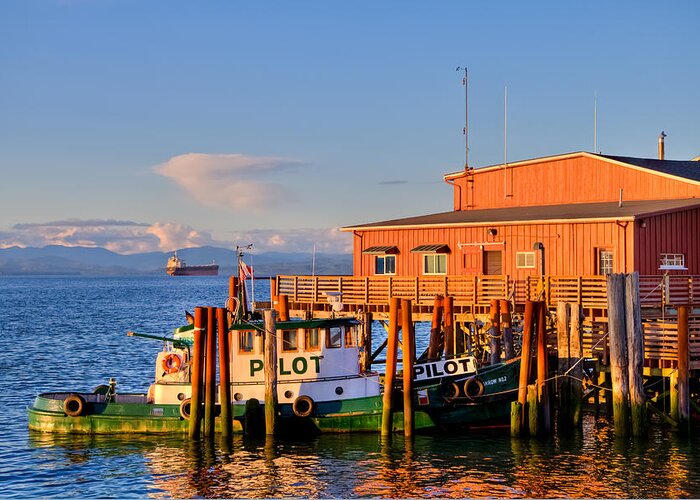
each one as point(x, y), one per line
point(384, 258)
point(672, 261)
point(599, 258)
point(527, 256)
point(435, 257)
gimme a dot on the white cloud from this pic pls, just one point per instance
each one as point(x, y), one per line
point(126, 237)
point(230, 180)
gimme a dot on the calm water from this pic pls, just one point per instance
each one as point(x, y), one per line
point(63, 333)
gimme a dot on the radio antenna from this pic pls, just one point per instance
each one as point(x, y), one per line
point(465, 131)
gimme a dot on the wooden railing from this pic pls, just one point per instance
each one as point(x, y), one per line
point(589, 291)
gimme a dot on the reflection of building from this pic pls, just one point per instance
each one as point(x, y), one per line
point(574, 214)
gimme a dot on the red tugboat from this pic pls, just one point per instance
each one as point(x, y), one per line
point(177, 267)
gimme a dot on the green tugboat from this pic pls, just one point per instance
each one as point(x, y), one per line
point(321, 386)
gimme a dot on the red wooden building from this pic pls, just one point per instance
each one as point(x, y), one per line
point(573, 214)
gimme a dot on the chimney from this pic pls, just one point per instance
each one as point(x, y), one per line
point(661, 145)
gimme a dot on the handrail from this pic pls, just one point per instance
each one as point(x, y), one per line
point(589, 291)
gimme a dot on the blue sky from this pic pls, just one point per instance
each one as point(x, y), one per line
point(151, 125)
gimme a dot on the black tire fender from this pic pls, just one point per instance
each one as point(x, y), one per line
point(303, 406)
point(74, 405)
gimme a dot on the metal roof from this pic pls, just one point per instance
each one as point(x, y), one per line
point(381, 250)
point(439, 248)
point(686, 169)
point(544, 213)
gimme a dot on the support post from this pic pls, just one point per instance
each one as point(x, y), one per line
point(576, 352)
point(435, 330)
point(683, 370)
point(449, 327)
point(210, 376)
point(565, 360)
point(366, 342)
point(635, 353)
point(516, 419)
point(232, 294)
point(270, 372)
point(226, 419)
point(526, 354)
point(495, 332)
point(390, 375)
point(618, 353)
point(283, 307)
point(197, 374)
point(543, 368)
point(533, 410)
point(408, 348)
point(507, 328)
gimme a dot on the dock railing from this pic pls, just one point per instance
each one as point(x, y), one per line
point(590, 291)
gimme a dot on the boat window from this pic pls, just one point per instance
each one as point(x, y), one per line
point(334, 337)
point(312, 340)
point(245, 341)
point(289, 340)
point(350, 337)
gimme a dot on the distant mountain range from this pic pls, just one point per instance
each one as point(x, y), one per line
point(55, 259)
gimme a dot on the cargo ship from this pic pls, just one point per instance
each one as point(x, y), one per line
point(177, 267)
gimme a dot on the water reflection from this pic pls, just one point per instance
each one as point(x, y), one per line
point(585, 464)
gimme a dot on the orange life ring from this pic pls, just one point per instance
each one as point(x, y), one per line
point(172, 363)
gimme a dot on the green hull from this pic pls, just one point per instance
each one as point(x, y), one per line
point(130, 413)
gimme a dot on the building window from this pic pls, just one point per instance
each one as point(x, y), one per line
point(385, 264)
point(605, 261)
point(334, 337)
point(673, 261)
point(245, 341)
point(289, 340)
point(312, 340)
point(350, 337)
point(525, 260)
point(435, 263)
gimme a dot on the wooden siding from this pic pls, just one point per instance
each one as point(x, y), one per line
point(580, 179)
point(675, 232)
point(570, 248)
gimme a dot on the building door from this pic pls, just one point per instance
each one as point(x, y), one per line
point(493, 262)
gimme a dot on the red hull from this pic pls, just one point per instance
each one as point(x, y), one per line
point(211, 270)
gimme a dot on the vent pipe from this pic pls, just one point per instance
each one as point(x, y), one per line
point(661, 145)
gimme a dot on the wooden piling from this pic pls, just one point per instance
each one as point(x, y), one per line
point(226, 418)
point(495, 331)
point(408, 348)
point(576, 373)
point(525, 356)
point(516, 419)
point(635, 354)
point(435, 329)
point(390, 374)
point(197, 374)
point(507, 328)
point(270, 371)
point(533, 410)
point(683, 370)
point(210, 375)
point(366, 342)
point(283, 307)
point(618, 352)
point(232, 293)
point(449, 326)
point(565, 361)
point(543, 367)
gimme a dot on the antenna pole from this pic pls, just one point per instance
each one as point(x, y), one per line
point(505, 142)
point(595, 122)
point(466, 116)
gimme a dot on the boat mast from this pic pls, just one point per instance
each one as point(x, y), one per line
point(466, 117)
